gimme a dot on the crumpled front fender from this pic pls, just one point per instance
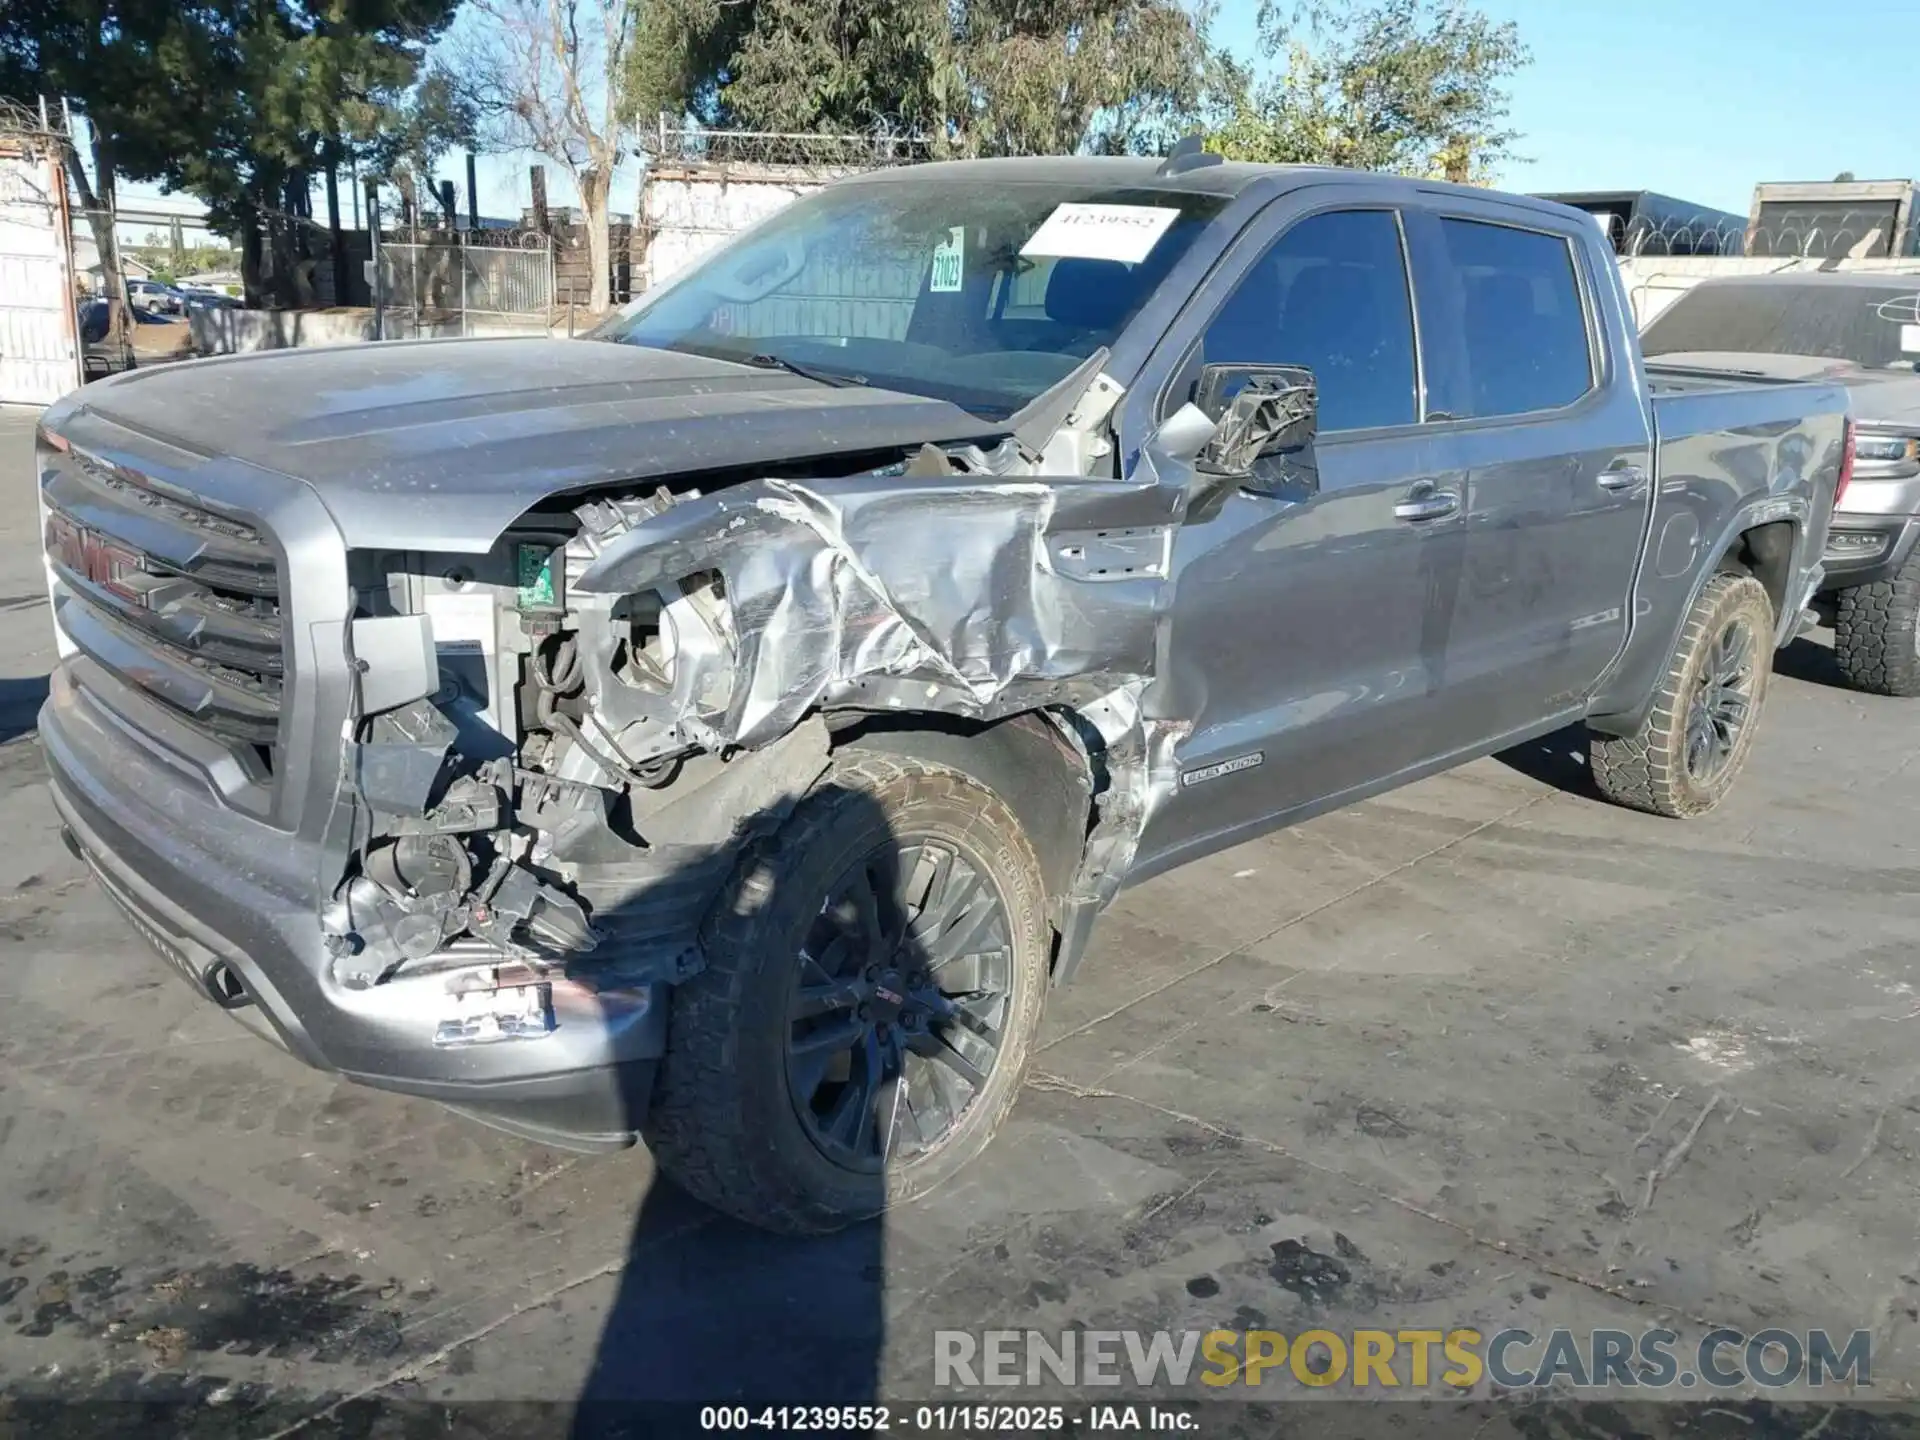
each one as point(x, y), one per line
point(970, 595)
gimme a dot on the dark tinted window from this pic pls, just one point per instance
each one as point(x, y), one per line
point(1522, 324)
point(1331, 294)
point(1827, 316)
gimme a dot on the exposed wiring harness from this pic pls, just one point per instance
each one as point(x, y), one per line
point(557, 675)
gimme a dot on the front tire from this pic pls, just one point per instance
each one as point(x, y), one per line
point(1686, 754)
point(874, 981)
point(1876, 633)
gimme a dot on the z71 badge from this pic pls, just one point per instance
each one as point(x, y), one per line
point(1225, 767)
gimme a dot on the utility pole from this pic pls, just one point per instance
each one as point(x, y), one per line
point(373, 279)
point(336, 241)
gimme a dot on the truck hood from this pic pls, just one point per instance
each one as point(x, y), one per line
point(1879, 397)
point(442, 444)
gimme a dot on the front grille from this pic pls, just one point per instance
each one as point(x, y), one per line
point(173, 598)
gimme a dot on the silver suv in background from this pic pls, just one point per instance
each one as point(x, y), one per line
point(1863, 331)
point(154, 298)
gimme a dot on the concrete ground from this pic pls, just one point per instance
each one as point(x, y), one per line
point(1483, 1052)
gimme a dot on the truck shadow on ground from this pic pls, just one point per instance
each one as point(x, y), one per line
point(1558, 759)
point(711, 1311)
point(20, 702)
point(1810, 661)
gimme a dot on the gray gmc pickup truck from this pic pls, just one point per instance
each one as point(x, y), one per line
point(722, 731)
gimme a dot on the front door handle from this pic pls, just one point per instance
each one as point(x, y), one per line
point(1431, 505)
point(1622, 477)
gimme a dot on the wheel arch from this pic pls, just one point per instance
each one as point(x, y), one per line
point(1760, 541)
point(1025, 759)
point(1766, 552)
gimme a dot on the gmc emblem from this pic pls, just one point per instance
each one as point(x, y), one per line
point(91, 555)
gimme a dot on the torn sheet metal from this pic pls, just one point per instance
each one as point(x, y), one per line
point(966, 595)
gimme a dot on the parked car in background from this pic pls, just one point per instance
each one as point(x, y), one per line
point(1862, 330)
point(155, 298)
point(199, 299)
point(727, 729)
point(100, 354)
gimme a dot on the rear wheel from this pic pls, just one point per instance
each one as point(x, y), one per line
point(874, 981)
point(1684, 758)
point(1876, 633)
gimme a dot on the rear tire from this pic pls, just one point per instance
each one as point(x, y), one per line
point(1876, 633)
point(1686, 754)
point(806, 946)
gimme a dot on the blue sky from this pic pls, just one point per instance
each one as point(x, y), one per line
point(1701, 99)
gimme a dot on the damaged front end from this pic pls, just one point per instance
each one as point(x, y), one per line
point(563, 746)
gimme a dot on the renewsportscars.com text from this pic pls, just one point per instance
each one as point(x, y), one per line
point(1375, 1360)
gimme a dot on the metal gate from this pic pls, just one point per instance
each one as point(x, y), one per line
point(477, 282)
point(39, 350)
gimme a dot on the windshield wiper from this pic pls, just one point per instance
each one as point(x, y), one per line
point(805, 372)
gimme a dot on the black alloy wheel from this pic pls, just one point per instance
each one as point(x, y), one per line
point(899, 1004)
point(1721, 702)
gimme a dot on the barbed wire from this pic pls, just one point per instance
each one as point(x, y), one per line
point(820, 156)
point(1817, 233)
point(23, 125)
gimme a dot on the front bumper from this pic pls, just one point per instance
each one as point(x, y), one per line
point(1867, 549)
point(232, 904)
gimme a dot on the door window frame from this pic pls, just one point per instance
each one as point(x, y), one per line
point(1430, 257)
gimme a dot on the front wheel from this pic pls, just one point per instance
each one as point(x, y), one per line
point(874, 981)
point(1683, 759)
point(1876, 633)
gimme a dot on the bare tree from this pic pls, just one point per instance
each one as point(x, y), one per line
point(550, 72)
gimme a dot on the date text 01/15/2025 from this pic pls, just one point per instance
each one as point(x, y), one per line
point(948, 1419)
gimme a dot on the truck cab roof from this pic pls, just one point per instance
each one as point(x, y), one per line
point(1228, 178)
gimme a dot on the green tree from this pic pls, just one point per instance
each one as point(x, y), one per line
point(966, 77)
point(1411, 86)
point(238, 102)
point(111, 60)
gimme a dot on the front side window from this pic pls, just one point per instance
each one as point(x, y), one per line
point(984, 293)
point(1330, 294)
point(1523, 327)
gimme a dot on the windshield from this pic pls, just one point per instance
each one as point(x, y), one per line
point(983, 293)
point(1876, 328)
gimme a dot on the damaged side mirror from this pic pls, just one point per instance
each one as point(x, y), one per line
point(1258, 410)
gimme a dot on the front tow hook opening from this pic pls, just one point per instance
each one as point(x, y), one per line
point(225, 987)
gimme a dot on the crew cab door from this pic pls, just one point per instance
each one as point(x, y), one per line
point(1530, 369)
point(1307, 641)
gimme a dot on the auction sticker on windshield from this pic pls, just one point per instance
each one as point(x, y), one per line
point(948, 261)
point(1126, 233)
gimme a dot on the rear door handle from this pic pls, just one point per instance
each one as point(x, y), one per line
point(1436, 505)
point(1622, 477)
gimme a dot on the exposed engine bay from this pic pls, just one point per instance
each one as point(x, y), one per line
point(564, 744)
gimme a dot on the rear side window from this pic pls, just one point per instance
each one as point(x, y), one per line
point(1523, 328)
point(1330, 294)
